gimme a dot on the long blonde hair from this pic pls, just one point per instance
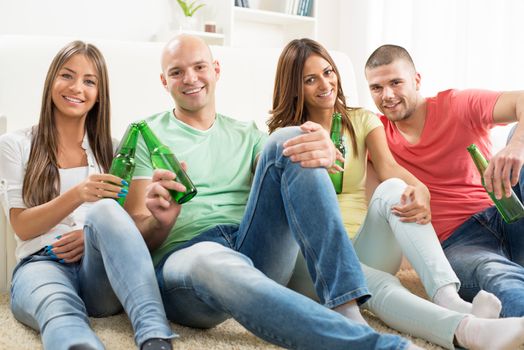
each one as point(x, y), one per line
point(288, 95)
point(41, 180)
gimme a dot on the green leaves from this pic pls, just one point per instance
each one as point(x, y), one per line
point(189, 9)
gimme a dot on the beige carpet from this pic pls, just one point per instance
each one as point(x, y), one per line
point(115, 332)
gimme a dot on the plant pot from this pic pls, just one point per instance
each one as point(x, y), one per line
point(188, 24)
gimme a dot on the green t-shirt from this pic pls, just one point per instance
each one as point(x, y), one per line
point(220, 163)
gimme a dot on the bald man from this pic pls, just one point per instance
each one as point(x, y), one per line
point(228, 252)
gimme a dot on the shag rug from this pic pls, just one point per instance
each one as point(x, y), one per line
point(116, 333)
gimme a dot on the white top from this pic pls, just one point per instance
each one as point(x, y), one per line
point(14, 155)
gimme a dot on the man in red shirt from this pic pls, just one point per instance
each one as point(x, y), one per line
point(429, 136)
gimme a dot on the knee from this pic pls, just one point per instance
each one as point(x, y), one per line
point(390, 191)
point(206, 260)
point(273, 145)
point(213, 258)
point(106, 218)
point(282, 135)
point(207, 266)
point(104, 212)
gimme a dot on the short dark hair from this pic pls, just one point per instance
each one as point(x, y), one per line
point(386, 54)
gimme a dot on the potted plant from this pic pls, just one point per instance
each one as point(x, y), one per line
point(188, 22)
point(189, 9)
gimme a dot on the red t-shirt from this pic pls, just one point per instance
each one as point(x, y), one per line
point(454, 120)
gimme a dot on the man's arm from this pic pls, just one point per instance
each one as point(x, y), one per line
point(504, 168)
point(150, 205)
point(414, 205)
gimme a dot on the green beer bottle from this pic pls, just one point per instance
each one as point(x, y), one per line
point(163, 158)
point(510, 208)
point(336, 137)
point(123, 164)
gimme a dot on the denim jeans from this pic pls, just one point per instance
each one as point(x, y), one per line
point(116, 269)
point(383, 239)
point(237, 271)
point(380, 244)
point(487, 253)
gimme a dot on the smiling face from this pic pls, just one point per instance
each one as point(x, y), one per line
point(190, 75)
point(394, 88)
point(75, 88)
point(320, 85)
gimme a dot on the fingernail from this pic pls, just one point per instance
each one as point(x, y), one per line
point(51, 254)
point(58, 237)
point(124, 190)
point(61, 261)
point(121, 195)
point(48, 247)
point(124, 182)
point(285, 152)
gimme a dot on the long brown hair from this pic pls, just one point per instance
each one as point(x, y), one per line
point(41, 180)
point(288, 94)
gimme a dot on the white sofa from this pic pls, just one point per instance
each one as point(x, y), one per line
point(244, 91)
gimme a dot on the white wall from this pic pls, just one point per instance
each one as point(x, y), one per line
point(328, 25)
point(124, 19)
point(459, 44)
point(466, 43)
point(115, 19)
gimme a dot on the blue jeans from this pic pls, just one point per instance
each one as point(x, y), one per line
point(379, 244)
point(487, 253)
point(238, 271)
point(116, 269)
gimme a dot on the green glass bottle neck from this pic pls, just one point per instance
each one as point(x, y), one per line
point(151, 140)
point(336, 127)
point(478, 158)
point(129, 141)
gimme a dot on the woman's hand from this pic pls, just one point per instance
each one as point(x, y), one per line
point(98, 186)
point(69, 247)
